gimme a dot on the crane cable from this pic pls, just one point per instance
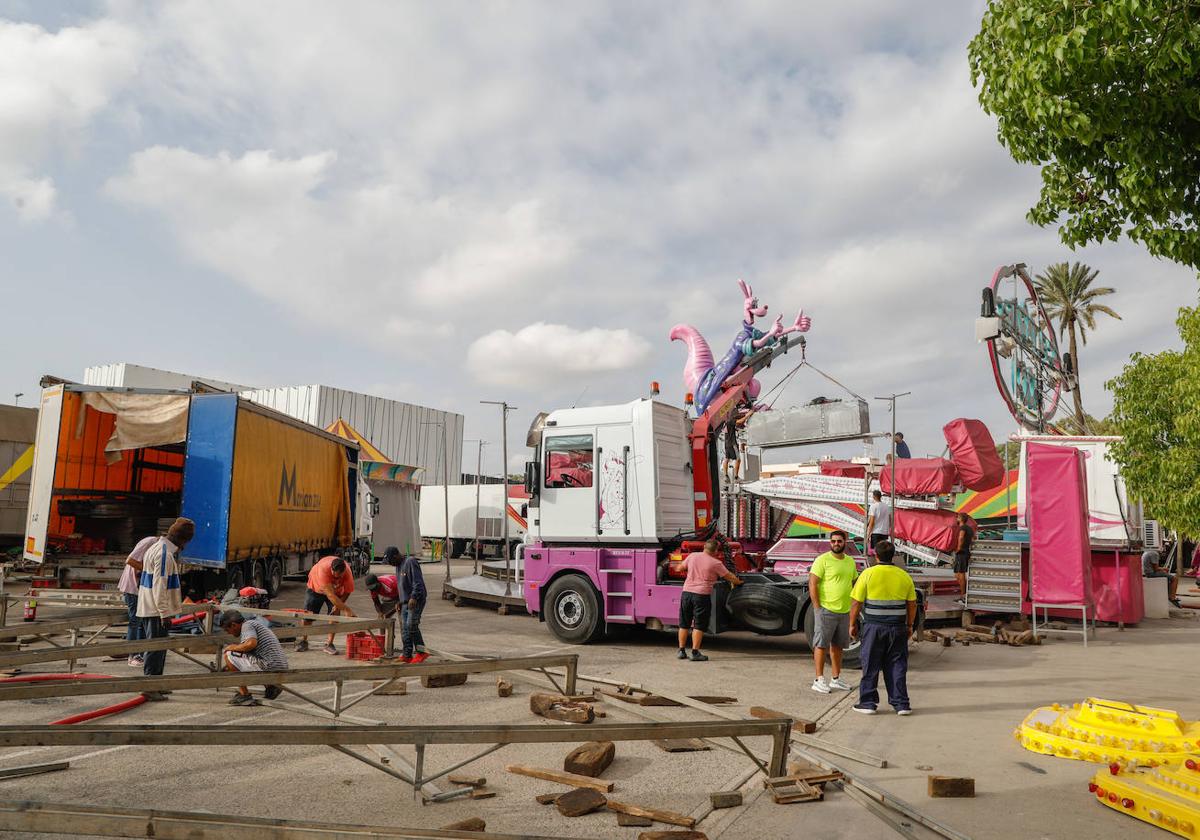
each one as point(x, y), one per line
point(804, 362)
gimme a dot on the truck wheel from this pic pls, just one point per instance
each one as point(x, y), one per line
point(258, 574)
point(235, 576)
point(274, 580)
point(457, 547)
point(851, 656)
point(766, 609)
point(573, 610)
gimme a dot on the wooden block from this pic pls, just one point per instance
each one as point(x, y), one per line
point(945, 787)
point(558, 707)
point(672, 745)
point(547, 798)
point(947, 641)
point(398, 688)
point(672, 835)
point(561, 778)
point(469, 781)
point(656, 814)
point(469, 824)
point(580, 801)
point(503, 688)
point(629, 820)
point(480, 793)
point(590, 759)
point(443, 680)
point(808, 727)
point(725, 799)
point(788, 794)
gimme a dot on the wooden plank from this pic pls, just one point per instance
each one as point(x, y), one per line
point(33, 769)
point(714, 699)
point(124, 685)
point(725, 799)
point(469, 824)
point(101, 821)
point(656, 814)
point(951, 787)
point(248, 735)
point(549, 775)
point(799, 724)
point(672, 835)
point(469, 781)
point(630, 821)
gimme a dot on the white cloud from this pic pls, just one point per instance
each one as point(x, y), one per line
point(52, 84)
point(544, 353)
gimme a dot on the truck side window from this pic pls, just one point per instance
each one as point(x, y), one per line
point(569, 461)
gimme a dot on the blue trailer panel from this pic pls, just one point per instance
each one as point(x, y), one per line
point(208, 475)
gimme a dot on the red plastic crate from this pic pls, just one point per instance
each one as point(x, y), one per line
point(364, 645)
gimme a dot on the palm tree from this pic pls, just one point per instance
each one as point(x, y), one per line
point(1067, 296)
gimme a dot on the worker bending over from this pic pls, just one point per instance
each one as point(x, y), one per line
point(385, 595)
point(259, 650)
point(887, 600)
point(703, 568)
point(159, 598)
point(330, 583)
point(410, 587)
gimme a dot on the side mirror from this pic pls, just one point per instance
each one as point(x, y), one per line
point(531, 477)
point(525, 511)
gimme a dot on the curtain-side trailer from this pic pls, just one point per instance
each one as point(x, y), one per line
point(270, 495)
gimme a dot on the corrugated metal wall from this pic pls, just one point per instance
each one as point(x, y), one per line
point(125, 375)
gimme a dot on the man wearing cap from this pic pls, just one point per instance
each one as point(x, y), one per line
point(887, 600)
point(258, 650)
point(159, 597)
point(330, 583)
point(410, 585)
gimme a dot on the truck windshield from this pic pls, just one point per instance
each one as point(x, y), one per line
point(569, 461)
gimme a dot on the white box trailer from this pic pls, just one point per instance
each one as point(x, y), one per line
point(461, 499)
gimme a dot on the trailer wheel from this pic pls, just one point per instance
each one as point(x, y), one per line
point(274, 581)
point(258, 574)
point(572, 609)
point(235, 576)
point(765, 609)
point(851, 656)
point(457, 547)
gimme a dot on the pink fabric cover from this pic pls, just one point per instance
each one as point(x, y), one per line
point(974, 454)
point(844, 469)
point(934, 528)
point(919, 476)
point(1060, 555)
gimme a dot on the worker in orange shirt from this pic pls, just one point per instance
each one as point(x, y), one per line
point(330, 583)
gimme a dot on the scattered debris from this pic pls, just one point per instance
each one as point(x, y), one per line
point(798, 724)
point(443, 680)
point(469, 781)
point(580, 801)
point(469, 824)
point(673, 745)
point(480, 793)
point(656, 814)
point(591, 758)
point(672, 835)
point(947, 787)
point(547, 798)
point(925, 767)
point(804, 783)
point(725, 799)
point(571, 779)
point(503, 687)
point(558, 707)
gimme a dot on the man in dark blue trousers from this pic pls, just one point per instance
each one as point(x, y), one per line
point(887, 600)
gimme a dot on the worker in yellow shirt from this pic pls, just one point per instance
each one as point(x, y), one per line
point(887, 600)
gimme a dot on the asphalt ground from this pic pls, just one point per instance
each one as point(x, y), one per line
point(967, 702)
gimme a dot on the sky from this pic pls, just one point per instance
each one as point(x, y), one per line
point(450, 202)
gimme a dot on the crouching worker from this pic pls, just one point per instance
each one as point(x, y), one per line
point(258, 650)
point(384, 594)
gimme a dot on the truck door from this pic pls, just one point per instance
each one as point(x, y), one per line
point(41, 480)
point(570, 506)
point(619, 513)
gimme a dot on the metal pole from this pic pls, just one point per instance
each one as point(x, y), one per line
point(891, 400)
point(504, 409)
point(446, 494)
point(478, 479)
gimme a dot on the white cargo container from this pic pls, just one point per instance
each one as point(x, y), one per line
point(461, 498)
point(126, 375)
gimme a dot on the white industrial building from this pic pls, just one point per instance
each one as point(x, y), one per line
point(407, 434)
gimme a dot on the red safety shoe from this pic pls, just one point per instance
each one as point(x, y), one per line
point(405, 659)
point(419, 657)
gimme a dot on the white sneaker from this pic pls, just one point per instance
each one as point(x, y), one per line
point(819, 685)
point(904, 712)
point(837, 683)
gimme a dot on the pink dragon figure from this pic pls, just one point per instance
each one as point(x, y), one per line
point(702, 377)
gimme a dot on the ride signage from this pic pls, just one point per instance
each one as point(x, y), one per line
point(1029, 371)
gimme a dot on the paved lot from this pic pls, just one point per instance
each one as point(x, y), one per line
point(967, 700)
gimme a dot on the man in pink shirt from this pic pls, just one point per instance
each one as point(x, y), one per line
point(695, 605)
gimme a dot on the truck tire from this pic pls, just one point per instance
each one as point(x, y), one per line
point(767, 610)
point(235, 576)
point(258, 574)
point(572, 609)
point(851, 656)
point(457, 547)
point(274, 576)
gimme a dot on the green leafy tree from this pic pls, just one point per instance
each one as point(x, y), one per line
point(1104, 96)
point(1067, 296)
point(1010, 457)
point(1091, 426)
point(1156, 409)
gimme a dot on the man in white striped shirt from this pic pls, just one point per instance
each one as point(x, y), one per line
point(159, 597)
